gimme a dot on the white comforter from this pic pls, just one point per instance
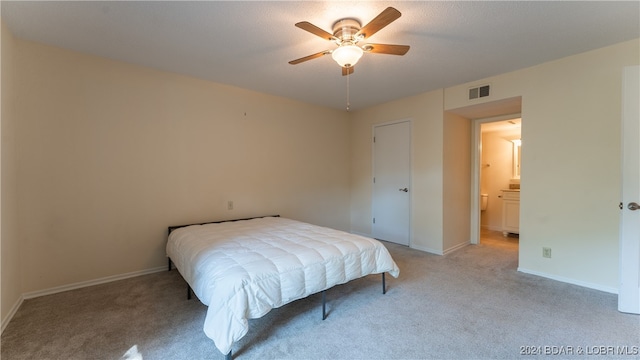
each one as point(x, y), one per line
point(243, 269)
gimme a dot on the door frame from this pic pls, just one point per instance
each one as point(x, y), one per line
point(476, 170)
point(373, 171)
point(629, 245)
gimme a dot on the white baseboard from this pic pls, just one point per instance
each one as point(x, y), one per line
point(491, 228)
point(570, 281)
point(74, 286)
point(427, 249)
point(456, 247)
point(11, 313)
point(82, 284)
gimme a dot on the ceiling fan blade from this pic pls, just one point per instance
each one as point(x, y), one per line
point(386, 49)
point(305, 25)
point(310, 57)
point(347, 70)
point(386, 17)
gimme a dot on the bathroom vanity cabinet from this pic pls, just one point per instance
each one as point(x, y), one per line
point(510, 212)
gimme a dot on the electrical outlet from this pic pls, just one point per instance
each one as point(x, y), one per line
point(546, 252)
point(229, 205)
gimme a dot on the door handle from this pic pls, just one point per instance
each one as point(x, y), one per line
point(407, 190)
point(633, 206)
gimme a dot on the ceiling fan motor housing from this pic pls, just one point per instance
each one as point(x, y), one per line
point(346, 29)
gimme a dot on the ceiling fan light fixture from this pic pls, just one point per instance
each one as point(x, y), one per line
point(347, 55)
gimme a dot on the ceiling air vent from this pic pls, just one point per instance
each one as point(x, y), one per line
point(479, 92)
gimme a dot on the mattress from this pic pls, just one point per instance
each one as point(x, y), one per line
point(243, 269)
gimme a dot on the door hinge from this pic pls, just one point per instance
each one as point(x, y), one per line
point(374, 220)
point(374, 139)
point(374, 181)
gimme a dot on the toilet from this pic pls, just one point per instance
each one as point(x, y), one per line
point(484, 201)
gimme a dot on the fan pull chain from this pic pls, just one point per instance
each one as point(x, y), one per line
point(348, 103)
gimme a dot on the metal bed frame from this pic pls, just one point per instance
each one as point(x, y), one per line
point(229, 356)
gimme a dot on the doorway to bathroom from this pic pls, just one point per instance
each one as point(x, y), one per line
point(500, 145)
point(478, 114)
point(498, 160)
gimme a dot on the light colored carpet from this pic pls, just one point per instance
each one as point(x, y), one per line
point(471, 304)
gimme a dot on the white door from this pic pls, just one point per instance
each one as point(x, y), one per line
point(392, 182)
point(629, 292)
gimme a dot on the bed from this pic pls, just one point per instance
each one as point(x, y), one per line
point(242, 269)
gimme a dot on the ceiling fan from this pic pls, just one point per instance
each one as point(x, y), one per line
point(347, 33)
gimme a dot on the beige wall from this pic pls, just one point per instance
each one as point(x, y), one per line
point(425, 112)
point(441, 171)
point(11, 269)
point(110, 154)
point(456, 182)
point(571, 111)
point(98, 157)
point(571, 183)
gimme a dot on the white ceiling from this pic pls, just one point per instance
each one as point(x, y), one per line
point(249, 44)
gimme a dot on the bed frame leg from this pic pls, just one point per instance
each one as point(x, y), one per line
point(169, 263)
point(188, 292)
point(324, 303)
point(229, 356)
point(384, 287)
